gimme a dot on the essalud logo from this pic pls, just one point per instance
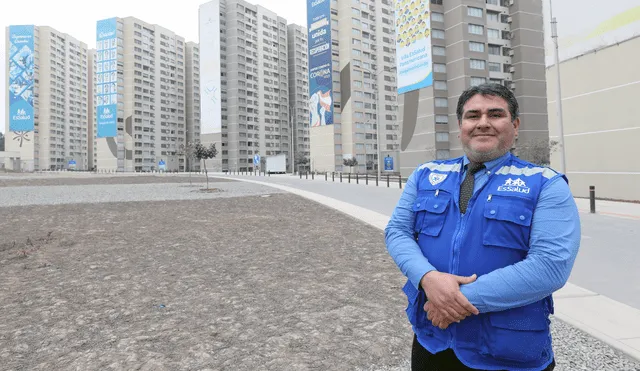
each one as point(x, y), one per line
point(515, 185)
point(21, 114)
point(106, 114)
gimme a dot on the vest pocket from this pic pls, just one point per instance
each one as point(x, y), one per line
point(507, 222)
point(415, 310)
point(430, 213)
point(519, 334)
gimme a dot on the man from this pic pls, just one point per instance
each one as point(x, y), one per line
point(484, 240)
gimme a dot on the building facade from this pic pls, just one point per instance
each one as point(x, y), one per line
point(255, 80)
point(299, 96)
point(364, 88)
point(474, 42)
point(599, 86)
point(149, 93)
point(192, 99)
point(54, 74)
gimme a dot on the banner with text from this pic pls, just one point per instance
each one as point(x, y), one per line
point(320, 64)
point(413, 45)
point(107, 78)
point(21, 64)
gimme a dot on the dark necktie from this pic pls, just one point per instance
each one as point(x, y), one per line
point(466, 188)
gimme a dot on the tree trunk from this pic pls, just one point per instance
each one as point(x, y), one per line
point(206, 174)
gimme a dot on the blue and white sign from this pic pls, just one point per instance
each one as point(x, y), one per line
point(413, 45)
point(256, 160)
point(107, 78)
point(162, 165)
point(320, 65)
point(72, 164)
point(388, 163)
point(21, 65)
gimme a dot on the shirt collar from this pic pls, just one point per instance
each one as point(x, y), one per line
point(490, 165)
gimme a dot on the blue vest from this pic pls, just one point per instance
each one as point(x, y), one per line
point(492, 234)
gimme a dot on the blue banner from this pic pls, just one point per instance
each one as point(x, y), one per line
point(107, 78)
point(21, 63)
point(320, 65)
point(388, 163)
point(413, 45)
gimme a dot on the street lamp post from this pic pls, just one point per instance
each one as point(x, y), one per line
point(554, 35)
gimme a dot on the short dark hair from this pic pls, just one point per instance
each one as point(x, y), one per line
point(496, 90)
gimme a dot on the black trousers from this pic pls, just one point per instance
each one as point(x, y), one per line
point(423, 360)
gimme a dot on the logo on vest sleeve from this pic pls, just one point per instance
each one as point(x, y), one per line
point(514, 185)
point(435, 178)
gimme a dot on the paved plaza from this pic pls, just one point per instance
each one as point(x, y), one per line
point(148, 272)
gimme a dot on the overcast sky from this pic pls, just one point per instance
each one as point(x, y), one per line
point(78, 18)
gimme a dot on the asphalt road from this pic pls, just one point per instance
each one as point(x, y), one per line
point(608, 258)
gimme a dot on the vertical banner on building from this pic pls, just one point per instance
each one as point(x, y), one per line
point(413, 45)
point(106, 90)
point(210, 84)
point(320, 65)
point(21, 64)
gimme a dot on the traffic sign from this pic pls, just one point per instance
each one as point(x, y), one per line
point(256, 159)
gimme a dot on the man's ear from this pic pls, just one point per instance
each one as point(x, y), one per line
point(516, 125)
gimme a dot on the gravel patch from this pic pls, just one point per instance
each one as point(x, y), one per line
point(244, 283)
point(73, 194)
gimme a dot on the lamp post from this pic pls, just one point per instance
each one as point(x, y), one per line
point(554, 36)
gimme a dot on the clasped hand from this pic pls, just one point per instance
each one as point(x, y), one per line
point(445, 303)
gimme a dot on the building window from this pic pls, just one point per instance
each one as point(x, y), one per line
point(442, 137)
point(437, 2)
point(474, 12)
point(492, 33)
point(492, 16)
point(477, 81)
point(441, 102)
point(440, 85)
point(477, 64)
point(437, 17)
point(476, 29)
point(494, 67)
point(494, 49)
point(476, 47)
point(492, 2)
point(437, 34)
point(442, 154)
point(440, 68)
point(439, 50)
point(442, 119)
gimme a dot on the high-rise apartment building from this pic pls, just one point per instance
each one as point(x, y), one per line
point(91, 104)
point(299, 96)
point(47, 101)
point(474, 42)
point(254, 87)
point(140, 93)
point(364, 86)
point(193, 98)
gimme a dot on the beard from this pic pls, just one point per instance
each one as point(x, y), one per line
point(486, 156)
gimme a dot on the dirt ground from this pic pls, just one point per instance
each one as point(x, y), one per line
point(247, 283)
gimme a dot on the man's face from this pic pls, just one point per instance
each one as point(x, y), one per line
point(487, 131)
